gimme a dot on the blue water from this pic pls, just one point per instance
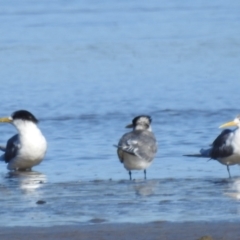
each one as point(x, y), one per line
point(85, 69)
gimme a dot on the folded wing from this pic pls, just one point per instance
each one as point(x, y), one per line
point(11, 148)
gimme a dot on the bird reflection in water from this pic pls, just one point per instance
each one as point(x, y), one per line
point(145, 188)
point(234, 189)
point(28, 181)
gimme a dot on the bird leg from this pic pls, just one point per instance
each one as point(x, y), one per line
point(145, 174)
point(130, 175)
point(228, 171)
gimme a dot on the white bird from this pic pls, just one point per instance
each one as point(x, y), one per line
point(226, 147)
point(137, 149)
point(27, 148)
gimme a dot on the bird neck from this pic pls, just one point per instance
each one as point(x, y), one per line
point(26, 128)
point(143, 127)
point(237, 131)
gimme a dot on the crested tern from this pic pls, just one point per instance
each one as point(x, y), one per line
point(226, 147)
point(137, 149)
point(27, 148)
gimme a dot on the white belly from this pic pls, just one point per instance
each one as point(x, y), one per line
point(232, 160)
point(132, 162)
point(30, 154)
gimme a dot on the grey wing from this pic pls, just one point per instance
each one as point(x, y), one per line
point(220, 147)
point(142, 145)
point(11, 148)
point(147, 146)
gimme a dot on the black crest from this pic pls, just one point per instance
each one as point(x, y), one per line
point(24, 115)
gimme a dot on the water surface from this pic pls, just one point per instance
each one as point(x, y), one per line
point(85, 69)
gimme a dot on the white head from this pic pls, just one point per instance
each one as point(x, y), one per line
point(142, 122)
point(20, 118)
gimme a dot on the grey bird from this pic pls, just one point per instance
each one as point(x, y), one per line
point(137, 149)
point(226, 147)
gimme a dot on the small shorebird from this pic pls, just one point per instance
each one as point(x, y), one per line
point(136, 149)
point(27, 148)
point(226, 147)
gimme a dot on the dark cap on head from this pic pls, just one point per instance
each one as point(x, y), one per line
point(24, 115)
point(144, 119)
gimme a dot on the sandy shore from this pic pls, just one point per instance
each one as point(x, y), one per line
point(156, 230)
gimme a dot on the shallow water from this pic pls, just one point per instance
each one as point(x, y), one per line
point(85, 69)
point(29, 199)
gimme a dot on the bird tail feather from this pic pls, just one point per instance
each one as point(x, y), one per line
point(2, 148)
point(204, 153)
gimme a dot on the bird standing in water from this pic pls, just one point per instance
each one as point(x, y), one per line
point(137, 149)
point(226, 147)
point(27, 148)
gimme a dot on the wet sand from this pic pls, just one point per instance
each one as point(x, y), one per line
point(155, 230)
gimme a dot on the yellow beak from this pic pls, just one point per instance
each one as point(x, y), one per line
point(5, 119)
point(228, 124)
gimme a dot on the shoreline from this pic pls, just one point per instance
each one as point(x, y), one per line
point(107, 231)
